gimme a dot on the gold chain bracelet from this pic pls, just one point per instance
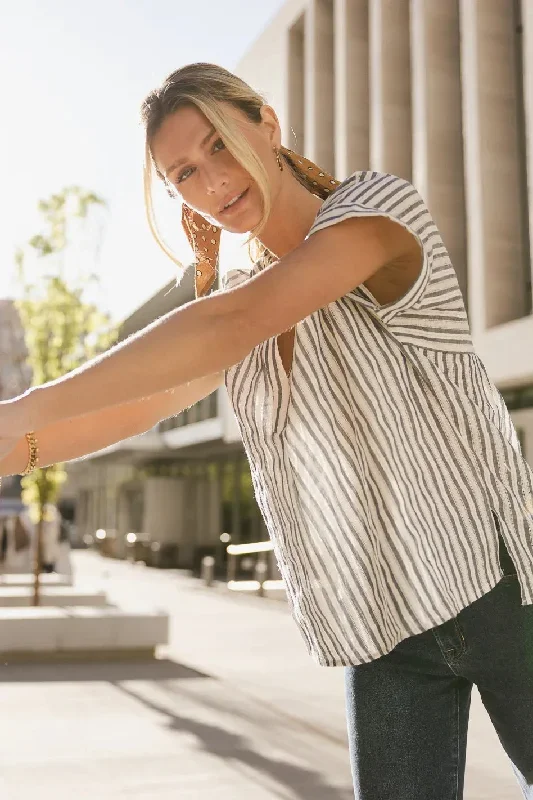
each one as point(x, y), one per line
point(33, 454)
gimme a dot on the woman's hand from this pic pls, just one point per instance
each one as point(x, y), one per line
point(13, 444)
point(13, 451)
point(74, 438)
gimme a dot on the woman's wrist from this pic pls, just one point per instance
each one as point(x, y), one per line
point(19, 415)
point(16, 462)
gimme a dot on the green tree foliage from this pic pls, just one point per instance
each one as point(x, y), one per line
point(63, 328)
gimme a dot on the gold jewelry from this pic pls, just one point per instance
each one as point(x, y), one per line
point(33, 454)
point(278, 159)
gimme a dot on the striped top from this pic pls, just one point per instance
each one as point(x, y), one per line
point(379, 463)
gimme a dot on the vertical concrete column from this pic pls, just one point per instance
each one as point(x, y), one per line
point(352, 104)
point(93, 509)
point(438, 171)
point(390, 87)
point(527, 34)
point(162, 508)
point(202, 511)
point(213, 500)
point(320, 84)
point(494, 167)
point(296, 86)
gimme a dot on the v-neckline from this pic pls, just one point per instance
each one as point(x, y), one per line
point(287, 375)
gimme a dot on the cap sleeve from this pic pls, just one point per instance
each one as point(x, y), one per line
point(377, 194)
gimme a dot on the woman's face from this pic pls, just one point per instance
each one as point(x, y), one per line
point(189, 152)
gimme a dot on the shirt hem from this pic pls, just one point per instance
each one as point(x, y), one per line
point(322, 660)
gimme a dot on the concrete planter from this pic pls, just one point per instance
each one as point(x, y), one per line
point(82, 633)
point(26, 580)
point(60, 596)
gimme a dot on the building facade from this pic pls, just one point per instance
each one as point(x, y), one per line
point(439, 92)
point(15, 373)
point(15, 378)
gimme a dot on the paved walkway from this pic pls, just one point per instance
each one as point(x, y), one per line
point(234, 710)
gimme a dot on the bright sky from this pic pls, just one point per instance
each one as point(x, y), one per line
point(73, 76)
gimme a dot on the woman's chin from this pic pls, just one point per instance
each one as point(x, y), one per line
point(240, 226)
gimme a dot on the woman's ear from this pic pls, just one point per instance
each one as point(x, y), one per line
point(270, 123)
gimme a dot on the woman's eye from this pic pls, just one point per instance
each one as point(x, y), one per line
point(217, 147)
point(185, 174)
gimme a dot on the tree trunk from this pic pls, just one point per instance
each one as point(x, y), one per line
point(38, 563)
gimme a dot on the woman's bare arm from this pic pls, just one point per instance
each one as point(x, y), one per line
point(211, 334)
point(78, 436)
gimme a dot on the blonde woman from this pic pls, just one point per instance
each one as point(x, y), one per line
point(384, 460)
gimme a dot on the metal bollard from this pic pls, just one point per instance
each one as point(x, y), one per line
point(208, 570)
point(260, 575)
point(232, 566)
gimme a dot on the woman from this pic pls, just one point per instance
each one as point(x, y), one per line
point(384, 460)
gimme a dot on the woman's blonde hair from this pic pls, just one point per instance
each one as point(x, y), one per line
point(205, 86)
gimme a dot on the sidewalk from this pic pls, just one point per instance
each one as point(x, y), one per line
point(234, 710)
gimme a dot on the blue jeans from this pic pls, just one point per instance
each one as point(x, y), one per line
point(408, 711)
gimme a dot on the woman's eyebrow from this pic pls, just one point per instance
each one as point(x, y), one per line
point(181, 161)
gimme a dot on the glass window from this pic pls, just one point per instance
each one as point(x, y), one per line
point(205, 409)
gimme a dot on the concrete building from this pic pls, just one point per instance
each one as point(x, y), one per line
point(437, 91)
point(15, 378)
point(15, 373)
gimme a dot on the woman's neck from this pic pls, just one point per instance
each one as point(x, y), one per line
point(291, 216)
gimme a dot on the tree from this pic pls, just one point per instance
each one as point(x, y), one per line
point(63, 327)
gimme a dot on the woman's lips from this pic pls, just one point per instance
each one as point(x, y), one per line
point(236, 206)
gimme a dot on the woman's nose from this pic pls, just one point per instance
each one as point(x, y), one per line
point(215, 181)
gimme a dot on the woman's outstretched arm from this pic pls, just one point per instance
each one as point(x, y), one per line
point(214, 333)
point(75, 437)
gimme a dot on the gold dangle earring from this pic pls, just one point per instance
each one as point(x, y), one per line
point(278, 158)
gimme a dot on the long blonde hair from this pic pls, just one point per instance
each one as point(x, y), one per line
point(206, 86)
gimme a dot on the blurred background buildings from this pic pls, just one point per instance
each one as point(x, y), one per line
point(15, 374)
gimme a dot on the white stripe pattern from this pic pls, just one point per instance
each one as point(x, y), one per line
point(379, 463)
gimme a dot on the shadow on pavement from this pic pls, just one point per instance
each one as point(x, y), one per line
point(305, 784)
point(253, 708)
point(112, 671)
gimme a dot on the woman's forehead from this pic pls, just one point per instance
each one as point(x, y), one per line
point(179, 136)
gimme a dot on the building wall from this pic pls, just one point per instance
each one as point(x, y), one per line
point(15, 374)
point(95, 486)
point(265, 64)
point(439, 92)
point(163, 503)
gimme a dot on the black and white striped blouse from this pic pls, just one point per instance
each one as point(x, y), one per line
point(378, 463)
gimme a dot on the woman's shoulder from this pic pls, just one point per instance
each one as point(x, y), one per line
point(370, 192)
point(362, 182)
